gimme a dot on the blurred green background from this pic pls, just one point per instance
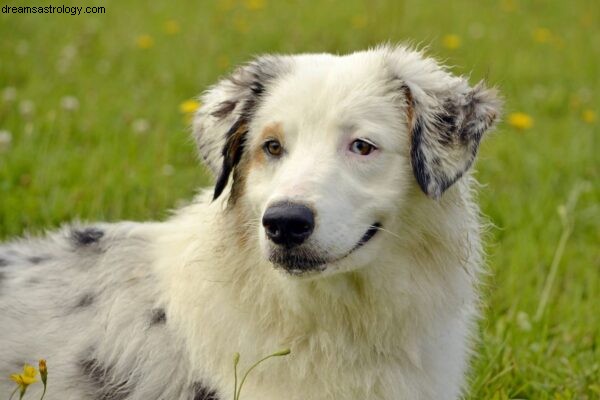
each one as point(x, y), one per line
point(94, 112)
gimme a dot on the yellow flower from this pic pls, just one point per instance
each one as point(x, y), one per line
point(509, 5)
point(226, 5)
point(359, 21)
point(586, 20)
point(451, 42)
point(520, 121)
point(223, 62)
point(189, 106)
point(575, 101)
point(43, 371)
point(25, 379)
point(255, 4)
point(171, 27)
point(542, 35)
point(241, 24)
point(588, 116)
point(144, 41)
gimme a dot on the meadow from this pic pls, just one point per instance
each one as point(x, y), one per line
point(94, 114)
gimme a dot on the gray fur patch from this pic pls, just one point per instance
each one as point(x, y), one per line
point(106, 387)
point(33, 281)
point(3, 262)
point(158, 316)
point(201, 392)
point(224, 109)
point(85, 301)
point(85, 237)
point(37, 260)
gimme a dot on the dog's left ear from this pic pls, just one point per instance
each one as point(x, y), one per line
point(446, 129)
point(227, 108)
point(447, 122)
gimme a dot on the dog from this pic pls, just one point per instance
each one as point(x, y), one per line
point(342, 225)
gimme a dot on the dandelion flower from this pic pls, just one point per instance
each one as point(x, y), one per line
point(586, 20)
point(359, 21)
point(168, 170)
point(520, 121)
point(542, 35)
point(144, 41)
point(189, 106)
point(171, 27)
point(9, 94)
point(523, 321)
point(103, 67)
point(69, 103)
point(26, 108)
point(241, 24)
point(509, 5)
point(5, 140)
point(22, 48)
point(43, 370)
point(223, 62)
point(476, 30)
point(43, 375)
point(25, 379)
point(451, 42)
point(588, 116)
point(140, 126)
point(255, 5)
point(226, 5)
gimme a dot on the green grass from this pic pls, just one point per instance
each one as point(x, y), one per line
point(90, 164)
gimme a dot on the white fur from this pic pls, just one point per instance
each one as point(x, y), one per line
point(392, 319)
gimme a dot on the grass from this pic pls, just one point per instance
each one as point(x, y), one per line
point(119, 148)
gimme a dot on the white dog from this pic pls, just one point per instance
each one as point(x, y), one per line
point(341, 226)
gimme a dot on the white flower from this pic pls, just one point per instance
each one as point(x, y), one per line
point(140, 125)
point(103, 67)
point(168, 170)
point(9, 94)
point(69, 51)
point(26, 108)
point(5, 140)
point(476, 30)
point(22, 48)
point(65, 59)
point(69, 103)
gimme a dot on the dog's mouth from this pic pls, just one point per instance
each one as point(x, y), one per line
point(299, 261)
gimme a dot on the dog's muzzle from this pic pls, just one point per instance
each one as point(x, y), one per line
point(288, 225)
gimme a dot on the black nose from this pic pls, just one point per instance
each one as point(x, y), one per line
point(288, 224)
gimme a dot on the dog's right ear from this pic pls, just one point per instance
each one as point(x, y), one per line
point(221, 123)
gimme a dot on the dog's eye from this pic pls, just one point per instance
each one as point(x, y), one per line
point(362, 147)
point(273, 147)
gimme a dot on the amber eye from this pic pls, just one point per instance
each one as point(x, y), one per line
point(273, 147)
point(362, 147)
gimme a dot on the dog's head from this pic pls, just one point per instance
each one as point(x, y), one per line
point(320, 150)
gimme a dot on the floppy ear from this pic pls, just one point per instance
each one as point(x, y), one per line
point(446, 129)
point(221, 124)
point(446, 118)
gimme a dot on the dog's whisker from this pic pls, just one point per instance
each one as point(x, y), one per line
point(384, 230)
